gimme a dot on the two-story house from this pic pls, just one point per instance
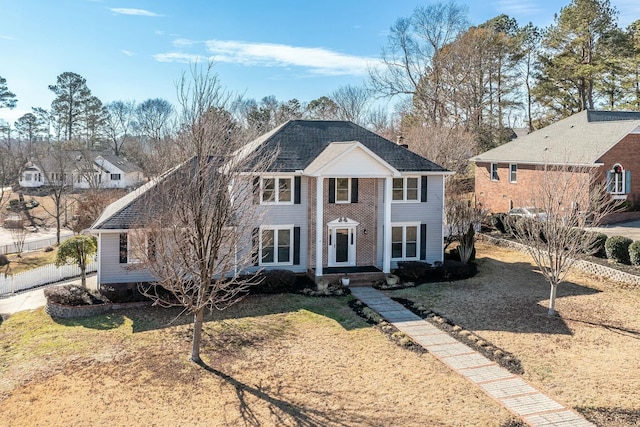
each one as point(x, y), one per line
point(81, 170)
point(337, 197)
point(604, 142)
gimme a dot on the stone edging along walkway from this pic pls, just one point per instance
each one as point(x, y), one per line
point(534, 407)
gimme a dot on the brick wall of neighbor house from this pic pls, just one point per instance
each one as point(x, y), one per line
point(627, 154)
point(502, 195)
point(364, 212)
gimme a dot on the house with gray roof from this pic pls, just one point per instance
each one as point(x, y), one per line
point(81, 170)
point(336, 199)
point(605, 141)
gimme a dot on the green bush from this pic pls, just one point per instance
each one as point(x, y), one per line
point(634, 252)
point(594, 243)
point(277, 282)
point(617, 249)
point(73, 295)
point(414, 271)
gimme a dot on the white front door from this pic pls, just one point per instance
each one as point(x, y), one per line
point(342, 245)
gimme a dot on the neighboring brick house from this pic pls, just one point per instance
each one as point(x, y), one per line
point(81, 170)
point(337, 198)
point(608, 141)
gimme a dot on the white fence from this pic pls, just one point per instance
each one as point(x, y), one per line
point(40, 276)
point(33, 245)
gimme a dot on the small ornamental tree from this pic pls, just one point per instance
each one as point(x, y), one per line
point(77, 250)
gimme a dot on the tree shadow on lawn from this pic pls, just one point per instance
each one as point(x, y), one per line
point(501, 297)
point(285, 413)
point(152, 318)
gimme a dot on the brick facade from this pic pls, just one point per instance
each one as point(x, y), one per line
point(364, 212)
point(627, 154)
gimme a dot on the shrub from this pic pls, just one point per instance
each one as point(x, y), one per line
point(594, 243)
point(122, 293)
point(276, 282)
point(412, 271)
point(3, 260)
point(73, 295)
point(617, 249)
point(634, 252)
point(48, 249)
point(454, 254)
point(498, 222)
point(456, 270)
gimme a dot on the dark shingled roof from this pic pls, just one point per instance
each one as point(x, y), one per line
point(300, 141)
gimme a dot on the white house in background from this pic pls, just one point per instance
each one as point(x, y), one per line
point(82, 170)
point(337, 199)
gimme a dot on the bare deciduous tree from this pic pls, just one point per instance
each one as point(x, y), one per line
point(569, 195)
point(194, 238)
point(352, 103)
point(120, 123)
point(448, 147)
point(462, 219)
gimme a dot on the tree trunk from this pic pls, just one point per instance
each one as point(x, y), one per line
point(197, 335)
point(83, 275)
point(552, 300)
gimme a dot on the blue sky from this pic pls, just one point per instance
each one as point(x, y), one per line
point(138, 49)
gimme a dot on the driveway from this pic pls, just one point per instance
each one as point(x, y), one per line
point(630, 229)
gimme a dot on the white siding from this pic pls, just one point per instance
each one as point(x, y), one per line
point(110, 270)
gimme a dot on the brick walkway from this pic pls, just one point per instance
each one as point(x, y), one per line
point(511, 391)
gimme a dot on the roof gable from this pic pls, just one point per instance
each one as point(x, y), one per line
point(349, 158)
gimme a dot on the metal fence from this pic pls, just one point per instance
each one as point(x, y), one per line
point(33, 245)
point(10, 284)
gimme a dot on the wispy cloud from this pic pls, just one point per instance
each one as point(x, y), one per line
point(519, 7)
point(127, 52)
point(316, 60)
point(136, 12)
point(184, 42)
point(186, 58)
point(4, 37)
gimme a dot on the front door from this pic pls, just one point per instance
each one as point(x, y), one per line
point(342, 246)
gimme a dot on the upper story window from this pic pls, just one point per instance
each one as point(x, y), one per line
point(276, 190)
point(513, 172)
point(343, 190)
point(494, 171)
point(115, 177)
point(406, 189)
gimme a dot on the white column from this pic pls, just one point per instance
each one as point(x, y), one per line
point(386, 251)
point(319, 224)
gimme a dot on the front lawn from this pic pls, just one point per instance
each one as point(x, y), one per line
point(587, 357)
point(273, 360)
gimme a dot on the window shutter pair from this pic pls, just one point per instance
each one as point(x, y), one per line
point(354, 190)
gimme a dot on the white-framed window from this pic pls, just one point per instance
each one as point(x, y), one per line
point(276, 190)
point(494, 171)
point(27, 177)
point(405, 241)
point(617, 180)
point(513, 172)
point(276, 245)
point(343, 190)
point(406, 189)
point(116, 177)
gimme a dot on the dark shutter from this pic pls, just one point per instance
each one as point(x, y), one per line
point(423, 241)
point(423, 189)
point(256, 190)
point(124, 249)
point(627, 182)
point(354, 190)
point(255, 243)
point(296, 245)
point(297, 183)
point(332, 190)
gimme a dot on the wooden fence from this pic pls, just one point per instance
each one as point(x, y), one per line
point(12, 283)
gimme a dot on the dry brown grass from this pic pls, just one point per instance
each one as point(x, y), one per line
point(273, 360)
point(587, 357)
point(30, 260)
